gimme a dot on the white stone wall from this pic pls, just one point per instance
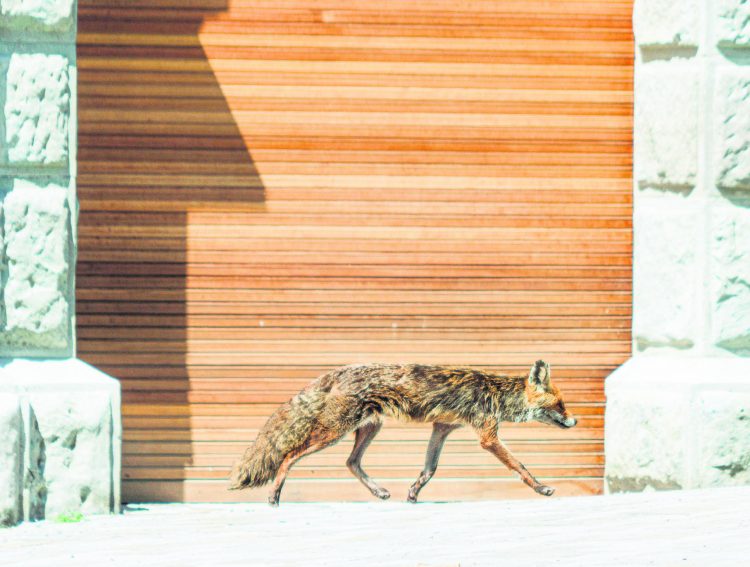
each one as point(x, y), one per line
point(692, 177)
point(37, 177)
point(60, 432)
point(678, 412)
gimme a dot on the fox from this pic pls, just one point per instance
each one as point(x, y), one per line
point(357, 397)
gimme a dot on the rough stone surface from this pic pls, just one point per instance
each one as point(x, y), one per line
point(732, 126)
point(730, 285)
point(75, 431)
point(666, 125)
point(724, 438)
point(733, 28)
point(665, 275)
point(3, 274)
point(11, 454)
point(36, 229)
point(32, 15)
point(677, 422)
point(666, 22)
point(72, 434)
point(643, 429)
point(37, 109)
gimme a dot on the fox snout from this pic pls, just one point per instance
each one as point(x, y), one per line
point(570, 421)
point(564, 420)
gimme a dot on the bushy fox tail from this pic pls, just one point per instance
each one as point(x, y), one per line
point(287, 429)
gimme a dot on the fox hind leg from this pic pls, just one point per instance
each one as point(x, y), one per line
point(317, 441)
point(362, 438)
point(440, 432)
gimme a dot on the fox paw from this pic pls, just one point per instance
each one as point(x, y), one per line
point(411, 498)
point(545, 490)
point(381, 493)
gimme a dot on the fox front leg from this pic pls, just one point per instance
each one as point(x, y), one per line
point(489, 441)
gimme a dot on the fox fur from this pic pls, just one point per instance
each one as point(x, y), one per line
point(354, 398)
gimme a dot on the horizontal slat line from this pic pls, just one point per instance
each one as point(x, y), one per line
point(150, 392)
point(370, 156)
point(378, 455)
point(120, 89)
point(519, 324)
point(246, 435)
point(156, 64)
point(240, 6)
point(341, 358)
point(575, 377)
point(207, 79)
point(304, 472)
point(350, 246)
point(209, 224)
point(95, 143)
point(372, 348)
point(352, 42)
point(223, 126)
point(194, 332)
point(196, 294)
point(318, 55)
point(336, 308)
point(459, 113)
point(299, 490)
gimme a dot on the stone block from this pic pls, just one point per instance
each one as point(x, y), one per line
point(732, 127)
point(643, 427)
point(666, 23)
point(677, 422)
point(11, 460)
point(733, 23)
point(37, 15)
point(665, 274)
point(73, 436)
point(730, 279)
point(37, 289)
point(666, 126)
point(723, 443)
point(37, 110)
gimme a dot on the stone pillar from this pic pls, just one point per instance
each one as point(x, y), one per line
point(678, 412)
point(59, 418)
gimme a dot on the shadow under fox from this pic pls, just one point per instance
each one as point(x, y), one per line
point(353, 398)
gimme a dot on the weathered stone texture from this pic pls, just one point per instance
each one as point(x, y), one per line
point(664, 276)
point(730, 285)
point(72, 437)
point(733, 27)
point(42, 15)
point(11, 455)
point(36, 228)
point(666, 125)
point(645, 426)
point(723, 444)
point(666, 23)
point(677, 422)
point(76, 433)
point(37, 109)
point(732, 126)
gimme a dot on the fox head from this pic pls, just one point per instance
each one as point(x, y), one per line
point(544, 400)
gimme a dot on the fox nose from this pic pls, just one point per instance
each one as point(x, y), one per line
point(570, 422)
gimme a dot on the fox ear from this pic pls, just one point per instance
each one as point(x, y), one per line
point(539, 375)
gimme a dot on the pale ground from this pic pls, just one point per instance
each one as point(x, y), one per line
point(706, 527)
